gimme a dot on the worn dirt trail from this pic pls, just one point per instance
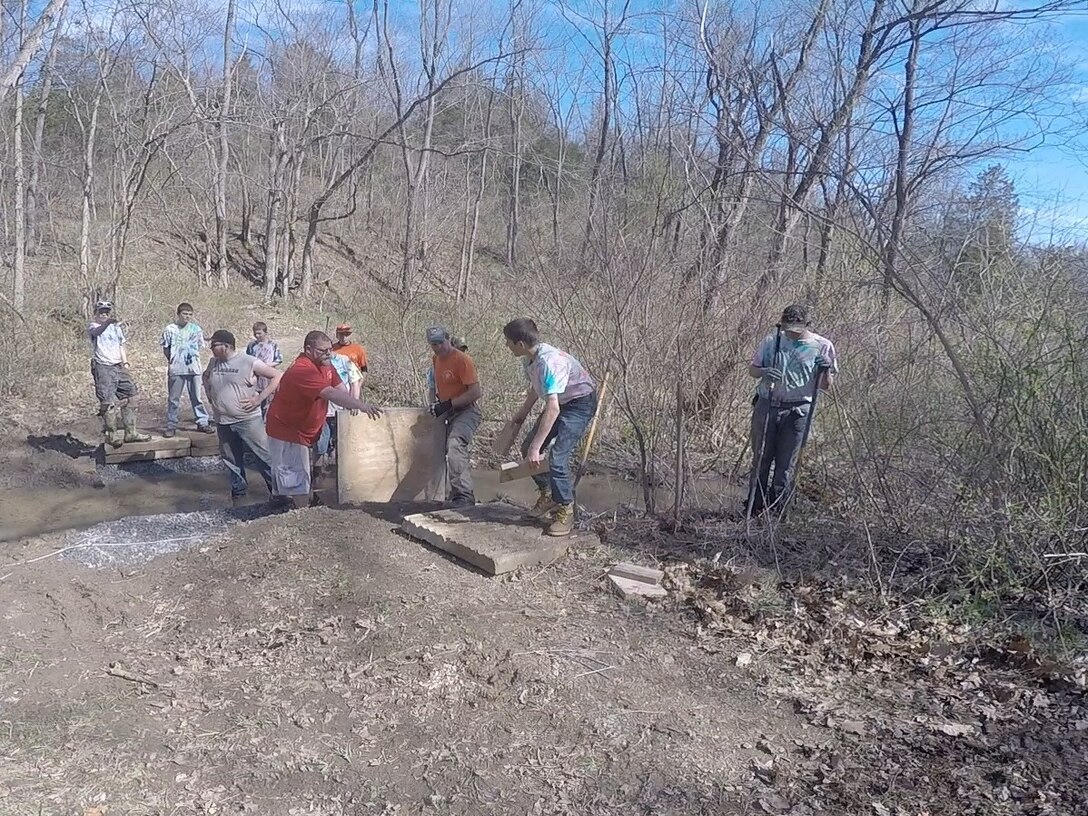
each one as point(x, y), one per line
point(320, 663)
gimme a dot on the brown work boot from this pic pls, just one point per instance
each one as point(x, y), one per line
point(562, 521)
point(544, 504)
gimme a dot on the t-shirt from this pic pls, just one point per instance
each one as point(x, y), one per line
point(106, 348)
point(184, 344)
point(349, 374)
point(296, 414)
point(552, 371)
point(266, 352)
point(797, 360)
point(453, 374)
point(354, 352)
point(228, 383)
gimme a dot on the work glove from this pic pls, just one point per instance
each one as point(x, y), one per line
point(442, 407)
point(823, 361)
point(773, 374)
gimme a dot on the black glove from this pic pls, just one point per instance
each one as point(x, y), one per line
point(443, 407)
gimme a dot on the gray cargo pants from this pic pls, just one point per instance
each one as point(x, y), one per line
point(460, 427)
point(785, 434)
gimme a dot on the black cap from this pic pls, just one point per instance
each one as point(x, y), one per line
point(224, 336)
point(794, 317)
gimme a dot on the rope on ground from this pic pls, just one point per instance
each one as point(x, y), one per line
point(86, 544)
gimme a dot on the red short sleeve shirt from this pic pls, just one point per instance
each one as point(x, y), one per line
point(297, 413)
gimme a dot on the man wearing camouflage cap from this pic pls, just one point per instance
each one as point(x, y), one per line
point(456, 394)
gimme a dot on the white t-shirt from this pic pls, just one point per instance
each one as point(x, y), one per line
point(106, 348)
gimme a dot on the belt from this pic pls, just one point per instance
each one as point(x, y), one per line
point(793, 404)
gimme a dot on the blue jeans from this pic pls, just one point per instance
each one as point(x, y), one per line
point(177, 384)
point(326, 442)
point(234, 440)
point(568, 430)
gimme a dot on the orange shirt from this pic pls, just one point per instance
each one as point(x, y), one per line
point(354, 352)
point(453, 374)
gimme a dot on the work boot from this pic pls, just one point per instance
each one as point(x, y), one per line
point(110, 432)
point(128, 416)
point(544, 504)
point(562, 521)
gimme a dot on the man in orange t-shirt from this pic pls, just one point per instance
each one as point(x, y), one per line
point(297, 413)
point(457, 392)
point(353, 351)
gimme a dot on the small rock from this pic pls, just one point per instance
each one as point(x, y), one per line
point(743, 659)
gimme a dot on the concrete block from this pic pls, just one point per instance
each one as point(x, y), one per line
point(493, 537)
point(635, 572)
point(400, 457)
point(635, 590)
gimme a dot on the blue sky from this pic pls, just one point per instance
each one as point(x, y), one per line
point(1052, 180)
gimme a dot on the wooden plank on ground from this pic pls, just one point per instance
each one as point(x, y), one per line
point(510, 471)
point(400, 457)
point(495, 537)
point(158, 448)
point(635, 572)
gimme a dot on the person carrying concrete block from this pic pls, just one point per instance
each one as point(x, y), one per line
point(456, 394)
point(570, 401)
point(297, 413)
point(113, 384)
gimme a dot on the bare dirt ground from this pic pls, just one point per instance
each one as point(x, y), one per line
point(318, 662)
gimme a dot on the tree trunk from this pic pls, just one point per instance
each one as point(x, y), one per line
point(87, 198)
point(224, 152)
point(272, 217)
point(34, 200)
point(18, 262)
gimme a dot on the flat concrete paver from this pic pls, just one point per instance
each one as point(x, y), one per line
point(493, 537)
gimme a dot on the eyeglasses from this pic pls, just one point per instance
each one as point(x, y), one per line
point(322, 352)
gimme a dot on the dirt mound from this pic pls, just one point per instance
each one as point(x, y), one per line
point(319, 663)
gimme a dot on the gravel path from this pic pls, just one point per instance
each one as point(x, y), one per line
point(160, 467)
point(137, 539)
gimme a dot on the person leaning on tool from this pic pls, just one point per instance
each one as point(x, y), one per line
point(456, 394)
point(787, 364)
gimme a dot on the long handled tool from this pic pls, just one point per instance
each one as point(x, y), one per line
point(754, 484)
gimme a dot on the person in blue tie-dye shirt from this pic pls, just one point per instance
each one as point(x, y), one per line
point(783, 400)
point(181, 342)
point(570, 401)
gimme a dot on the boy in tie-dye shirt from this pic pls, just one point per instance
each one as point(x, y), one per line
point(788, 381)
point(570, 401)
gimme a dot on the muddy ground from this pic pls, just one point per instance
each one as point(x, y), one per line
point(318, 662)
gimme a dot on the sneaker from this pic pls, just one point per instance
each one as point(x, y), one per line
point(168, 433)
point(562, 521)
point(544, 505)
point(208, 429)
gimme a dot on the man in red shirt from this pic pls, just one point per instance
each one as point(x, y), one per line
point(297, 413)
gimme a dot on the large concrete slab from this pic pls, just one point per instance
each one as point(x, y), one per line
point(493, 537)
point(400, 457)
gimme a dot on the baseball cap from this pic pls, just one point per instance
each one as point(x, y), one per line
point(458, 342)
point(343, 328)
point(224, 336)
point(795, 318)
point(436, 334)
point(104, 306)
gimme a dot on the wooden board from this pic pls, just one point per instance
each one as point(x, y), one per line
point(506, 437)
point(495, 537)
point(636, 572)
point(158, 448)
point(523, 469)
point(400, 457)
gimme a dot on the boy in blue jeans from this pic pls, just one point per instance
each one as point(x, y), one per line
point(570, 400)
